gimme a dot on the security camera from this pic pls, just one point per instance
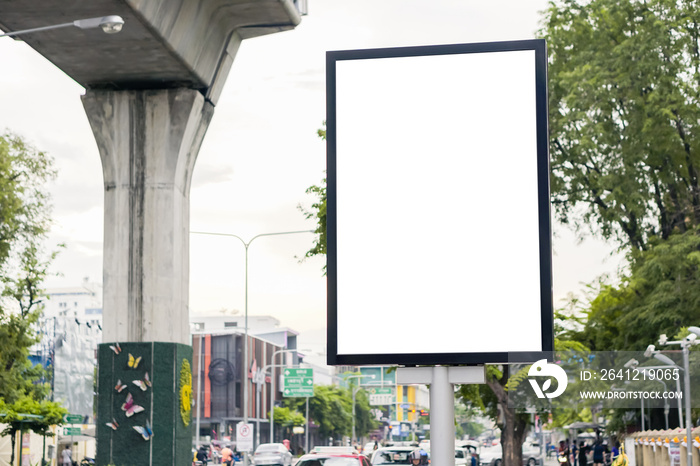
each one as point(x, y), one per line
point(649, 351)
point(691, 338)
point(632, 363)
point(663, 339)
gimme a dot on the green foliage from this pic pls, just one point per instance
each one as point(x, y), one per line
point(659, 294)
point(624, 113)
point(24, 224)
point(318, 211)
point(15, 416)
point(17, 375)
point(331, 409)
point(286, 417)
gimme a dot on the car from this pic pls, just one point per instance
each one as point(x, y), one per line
point(493, 456)
point(333, 456)
point(462, 457)
point(268, 454)
point(393, 455)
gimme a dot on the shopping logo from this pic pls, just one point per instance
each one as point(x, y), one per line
point(544, 369)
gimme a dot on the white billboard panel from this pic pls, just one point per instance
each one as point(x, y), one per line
point(438, 215)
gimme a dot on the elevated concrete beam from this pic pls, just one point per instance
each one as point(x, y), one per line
point(163, 44)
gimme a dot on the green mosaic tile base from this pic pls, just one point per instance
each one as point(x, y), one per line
point(171, 442)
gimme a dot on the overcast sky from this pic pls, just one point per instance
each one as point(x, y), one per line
point(260, 153)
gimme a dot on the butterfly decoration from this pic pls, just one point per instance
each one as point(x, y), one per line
point(113, 424)
point(116, 348)
point(134, 362)
point(143, 384)
point(120, 386)
point(145, 431)
point(129, 407)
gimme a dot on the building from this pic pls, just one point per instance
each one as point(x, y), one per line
point(71, 329)
point(218, 372)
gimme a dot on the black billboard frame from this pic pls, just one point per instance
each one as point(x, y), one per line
point(545, 239)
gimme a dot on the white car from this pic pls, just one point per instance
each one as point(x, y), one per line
point(462, 457)
point(493, 456)
point(272, 454)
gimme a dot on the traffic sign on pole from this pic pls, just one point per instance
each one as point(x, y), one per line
point(244, 436)
point(381, 396)
point(298, 382)
point(71, 430)
point(73, 418)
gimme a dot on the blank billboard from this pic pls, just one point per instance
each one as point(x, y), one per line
point(439, 243)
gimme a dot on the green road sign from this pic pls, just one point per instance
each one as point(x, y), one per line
point(73, 418)
point(381, 396)
point(71, 430)
point(298, 382)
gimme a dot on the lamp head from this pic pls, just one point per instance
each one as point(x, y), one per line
point(631, 364)
point(695, 330)
point(650, 351)
point(664, 359)
point(112, 24)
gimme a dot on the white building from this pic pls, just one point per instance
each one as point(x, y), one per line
point(71, 329)
point(83, 303)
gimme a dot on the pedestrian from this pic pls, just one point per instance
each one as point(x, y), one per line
point(582, 454)
point(67, 456)
point(226, 455)
point(615, 451)
point(415, 457)
point(574, 454)
point(215, 454)
point(599, 451)
point(202, 455)
point(563, 457)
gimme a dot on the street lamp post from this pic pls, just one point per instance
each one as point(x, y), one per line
point(685, 345)
point(272, 390)
point(634, 364)
point(245, 341)
point(354, 392)
point(259, 381)
point(678, 390)
point(109, 24)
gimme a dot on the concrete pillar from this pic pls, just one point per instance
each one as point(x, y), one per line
point(148, 141)
point(442, 426)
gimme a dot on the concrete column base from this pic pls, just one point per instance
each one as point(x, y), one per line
point(166, 405)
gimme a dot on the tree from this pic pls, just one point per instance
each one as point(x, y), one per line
point(288, 418)
point(623, 82)
point(331, 409)
point(24, 224)
point(624, 113)
point(27, 413)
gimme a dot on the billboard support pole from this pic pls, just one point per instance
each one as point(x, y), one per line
point(442, 402)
